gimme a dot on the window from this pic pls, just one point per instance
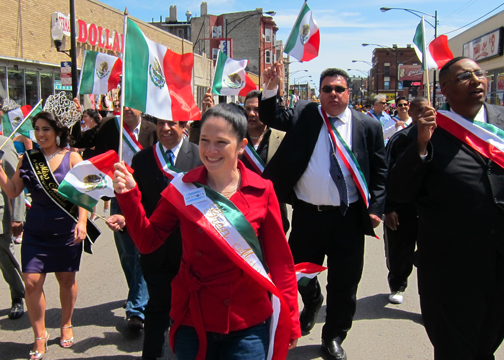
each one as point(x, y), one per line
point(3, 84)
point(386, 85)
point(31, 87)
point(399, 85)
point(267, 35)
point(273, 37)
point(16, 86)
point(46, 84)
point(180, 33)
point(215, 53)
point(216, 31)
point(386, 69)
point(267, 57)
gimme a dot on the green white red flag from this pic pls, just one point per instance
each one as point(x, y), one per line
point(86, 183)
point(13, 118)
point(304, 40)
point(231, 78)
point(157, 81)
point(436, 54)
point(100, 73)
point(307, 271)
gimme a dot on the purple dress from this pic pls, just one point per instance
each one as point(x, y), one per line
point(49, 232)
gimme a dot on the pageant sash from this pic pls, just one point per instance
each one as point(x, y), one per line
point(128, 137)
point(345, 155)
point(230, 230)
point(49, 184)
point(254, 159)
point(373, 116)
point(163, 162)
point(487, 139)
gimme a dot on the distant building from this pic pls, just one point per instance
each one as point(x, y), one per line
point(182, 29)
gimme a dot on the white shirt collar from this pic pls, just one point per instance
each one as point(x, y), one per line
point(480, 116)
point(345, 116)
point(175, 150)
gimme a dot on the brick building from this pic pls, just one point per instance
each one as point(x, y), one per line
point(250, 35)
point(182, 29)
point(383, 75)
point(30, 65)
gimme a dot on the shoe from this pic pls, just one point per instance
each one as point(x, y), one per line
point(333, 349)
point(396, 297)
point(17, 239)
point(17, 309)
point(35, 355)
point(309, 314)
point(66, 343)
point(135, 323)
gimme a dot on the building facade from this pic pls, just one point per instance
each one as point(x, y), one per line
point(30, 65)
point(484, 44)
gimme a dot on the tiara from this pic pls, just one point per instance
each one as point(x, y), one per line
point(9, 105)
point(63, 109)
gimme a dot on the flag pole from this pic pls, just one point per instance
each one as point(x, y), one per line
point(21, 123)
point(428, 85)
point(123, 81)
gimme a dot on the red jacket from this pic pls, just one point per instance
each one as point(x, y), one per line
point(232, 300)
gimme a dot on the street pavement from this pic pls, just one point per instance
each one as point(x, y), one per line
point(380, 330)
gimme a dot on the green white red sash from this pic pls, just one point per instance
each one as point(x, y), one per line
point(396, 119)
point(372, 115)
point(230, 230)
point(163, 162)
point(254, 159)
point(345, 155)
point(487, 139)
point(307, 271)
point(128, 137)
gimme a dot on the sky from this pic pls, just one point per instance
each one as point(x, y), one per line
point(344, 25)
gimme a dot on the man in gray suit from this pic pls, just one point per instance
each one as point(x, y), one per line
point(12, 213)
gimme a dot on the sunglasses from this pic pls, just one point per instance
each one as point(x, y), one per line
point(467, 75)
point(401, 105)
point(383, 102)
point(329, 89)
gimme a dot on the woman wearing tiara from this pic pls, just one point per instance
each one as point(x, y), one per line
point(54, 229)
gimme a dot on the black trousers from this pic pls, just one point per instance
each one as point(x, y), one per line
point(466, 330)
point(159, 268)
point(341, 238)
point(400, 250)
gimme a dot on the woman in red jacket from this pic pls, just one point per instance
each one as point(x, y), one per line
point(235, 296)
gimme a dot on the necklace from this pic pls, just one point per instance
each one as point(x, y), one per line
point(230, 193)
point(50, 157)
point(259, 137)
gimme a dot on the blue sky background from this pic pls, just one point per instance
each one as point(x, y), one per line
point(344, 25)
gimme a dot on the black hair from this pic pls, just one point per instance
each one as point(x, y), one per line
point(154, 119)
point(234, 114)
point(335, 72)
point(400, 98)
point(55, 124)
point(93, 114)
point(417, 101)
point(254, 94)
point(445, 70)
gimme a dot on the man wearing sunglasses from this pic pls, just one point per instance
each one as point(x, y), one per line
point(311, 171)
point(458, 188)
point(402, 120)
point(378, 113)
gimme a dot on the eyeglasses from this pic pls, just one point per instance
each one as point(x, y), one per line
point(329, 89)
point(383, 102)
point(467, 75)
point(401, 105)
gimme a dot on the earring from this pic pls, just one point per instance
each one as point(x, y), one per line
point(58, 140)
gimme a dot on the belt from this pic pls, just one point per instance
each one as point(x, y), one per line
point(316, 207)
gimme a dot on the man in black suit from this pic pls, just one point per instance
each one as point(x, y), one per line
point(106, 137)
point(459, 194)
point(160, 267)
point(328, 219)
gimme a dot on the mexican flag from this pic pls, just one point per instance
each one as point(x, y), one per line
point(100, 73)
point(157, 81)
point(13, 118)
point(304, 40)
point(436, 54)
point(86, 183)
point(307, 271)
point(230, 77)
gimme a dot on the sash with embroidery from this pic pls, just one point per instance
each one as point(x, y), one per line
point(487, 139)
point(224, 223)
point(163, 162)
point(49, 184)
point(345, 155)
point(128, 137)
point(254, 159)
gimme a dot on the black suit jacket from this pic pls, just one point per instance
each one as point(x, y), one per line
point(151, 181)
point(459, 196)
point(303, 124)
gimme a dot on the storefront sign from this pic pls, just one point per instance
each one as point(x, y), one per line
point(485, 47)
point(410, 72)
point(500, 83)
point(66, 73)
point(90, 33)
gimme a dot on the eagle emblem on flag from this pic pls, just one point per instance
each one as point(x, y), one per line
point(15, 122)
point(102, 70)
point(233, 81)
point(156, 74)
point(305, 34)
point(94, 182)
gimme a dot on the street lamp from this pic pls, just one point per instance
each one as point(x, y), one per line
point(416, 12)
point(362, 71)
point(57, 36)
point(366, 62)
point(292, 73)
point(394, 49)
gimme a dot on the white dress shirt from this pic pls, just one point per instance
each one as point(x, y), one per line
point(127, 152)
point(480, 116)
point(175, 150)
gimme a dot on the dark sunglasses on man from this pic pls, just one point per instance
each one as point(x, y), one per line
point(329, 89)
point(401, 105)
